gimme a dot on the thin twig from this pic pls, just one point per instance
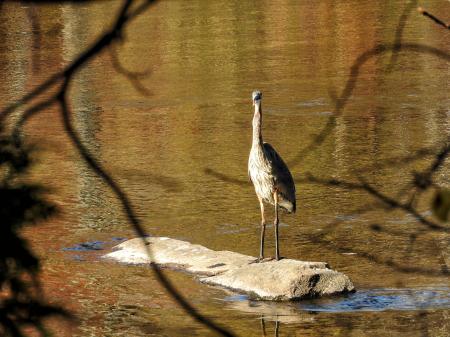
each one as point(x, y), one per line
point(432, 17)
point(133, 76)
point(399, 33)
point(33, 110)
point(388, 201)
point(342, 100)
point(131, 215)
point(66, 76)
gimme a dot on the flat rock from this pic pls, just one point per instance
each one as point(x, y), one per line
point(271, 280)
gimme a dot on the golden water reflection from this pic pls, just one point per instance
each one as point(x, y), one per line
point(204, 59)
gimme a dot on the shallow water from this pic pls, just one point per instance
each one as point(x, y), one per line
point(180, 153)
point(385, 299)
point(373, 300)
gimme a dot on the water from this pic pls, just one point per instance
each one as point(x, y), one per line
point(371, 300)
point(181, 152)
point(385, 299)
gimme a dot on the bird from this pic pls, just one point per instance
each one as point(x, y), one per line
point(270, 176)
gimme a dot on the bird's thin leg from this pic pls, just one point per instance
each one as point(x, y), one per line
point(277, 251)
point(263, 326)
point(263, 229)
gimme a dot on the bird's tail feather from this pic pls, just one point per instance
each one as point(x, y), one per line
point(287, 206)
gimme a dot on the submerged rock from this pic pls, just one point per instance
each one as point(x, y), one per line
point(272, 280)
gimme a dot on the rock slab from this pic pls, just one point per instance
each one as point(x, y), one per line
point(282, 280)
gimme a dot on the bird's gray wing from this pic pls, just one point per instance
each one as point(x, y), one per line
point(282, 176)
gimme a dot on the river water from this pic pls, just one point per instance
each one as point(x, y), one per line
point(177, 142)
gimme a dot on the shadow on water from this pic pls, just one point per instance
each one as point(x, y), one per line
point(93, 245)
point(90, 250)
point(371, 300)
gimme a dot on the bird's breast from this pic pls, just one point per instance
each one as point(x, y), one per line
point(261, 176)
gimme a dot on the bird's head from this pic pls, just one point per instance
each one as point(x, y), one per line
point(256, 97)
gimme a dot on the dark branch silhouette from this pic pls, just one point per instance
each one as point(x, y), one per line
point(128, 208)
point(342, 100)
point(420, 181)
point(343, 247)
point(388, 201)
point(130, 10)
point(434, 18)
point(399, 32)
point(30, 112)
point(440, 158)
point(134, 77)
point(346, 93)
point(23, 204)
point(64, 77)
point(397, 161)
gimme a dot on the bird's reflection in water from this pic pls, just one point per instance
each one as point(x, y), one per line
point(263, 326)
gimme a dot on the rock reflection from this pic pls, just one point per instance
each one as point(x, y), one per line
point(196, 122)
point(286, 313)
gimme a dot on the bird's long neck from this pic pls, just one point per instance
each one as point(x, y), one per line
point(257, 120)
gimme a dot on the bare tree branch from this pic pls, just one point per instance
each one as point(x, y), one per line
point(127, 13)
point(399, 32)
point(434, 18)
point(66, 75)
point(388, 201)
point(30, 112)
point(343, 248)
point(346, 93)
point(132, 76)
point(342, 100)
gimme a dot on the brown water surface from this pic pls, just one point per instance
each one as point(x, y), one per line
point(180, 153)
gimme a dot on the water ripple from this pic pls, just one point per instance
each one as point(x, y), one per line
point(383, 299)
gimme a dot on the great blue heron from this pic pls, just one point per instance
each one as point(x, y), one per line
point(270, 175)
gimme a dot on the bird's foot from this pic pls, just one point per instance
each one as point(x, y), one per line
point(258, 260)
point(262, 259)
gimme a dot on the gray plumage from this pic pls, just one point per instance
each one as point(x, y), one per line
point(269, 174)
